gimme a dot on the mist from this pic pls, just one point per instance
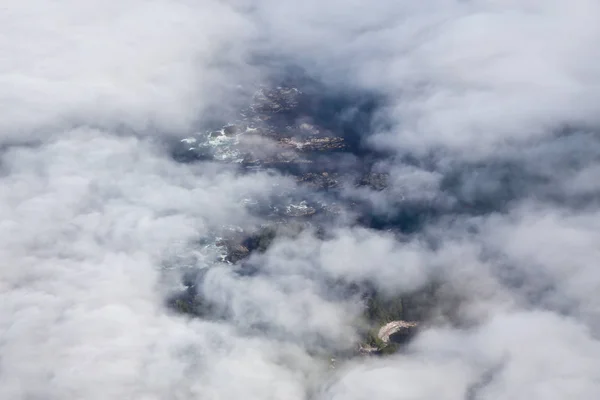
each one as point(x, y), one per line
point(477, 119)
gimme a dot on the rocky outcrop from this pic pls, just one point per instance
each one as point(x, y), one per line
point(314, 144)
point(376, 181)
point(273, 101)
point(272, 120)
point(367, 349)
point(397, 331)
point(281, 157)
point(301, 209)
point(236, 253)
point(319, 181)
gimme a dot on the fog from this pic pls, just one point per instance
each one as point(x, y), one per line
point(487, 124)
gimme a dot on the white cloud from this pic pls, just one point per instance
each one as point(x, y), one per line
point(461, 76)
point(134, 64)
point(89, 213)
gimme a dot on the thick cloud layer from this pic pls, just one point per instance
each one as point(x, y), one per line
point(461, 76)
point(133, 64)
point(489, 123)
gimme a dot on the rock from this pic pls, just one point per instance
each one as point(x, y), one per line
point(237, 253)
point(235, 250)
point(397, 331)
point(375, 181)
point(314, 144)
point(271, 101)
point(299, 210)
point(319, 181)
point(367, 349)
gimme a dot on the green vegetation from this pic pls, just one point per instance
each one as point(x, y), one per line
point(373, 340)
point(380, 310)
point(188, 303)
point(390, 348)
point(184, 307)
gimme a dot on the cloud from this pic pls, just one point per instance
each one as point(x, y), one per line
point(487, 133)
point(464, 77)
point(87, 221)
point(133, 64)
point(519, 356)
